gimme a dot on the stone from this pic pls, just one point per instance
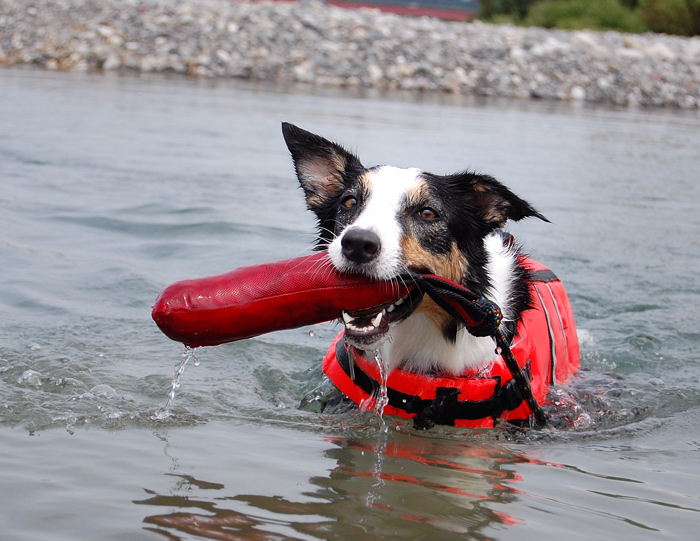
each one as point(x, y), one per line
point(313, 43)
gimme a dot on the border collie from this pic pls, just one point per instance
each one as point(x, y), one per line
point(382, 221)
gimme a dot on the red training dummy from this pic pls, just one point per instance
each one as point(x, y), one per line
point(254, 300)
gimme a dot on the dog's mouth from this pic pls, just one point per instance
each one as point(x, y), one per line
point(369, 326)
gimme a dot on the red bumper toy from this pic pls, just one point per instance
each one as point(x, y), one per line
point(254, 300)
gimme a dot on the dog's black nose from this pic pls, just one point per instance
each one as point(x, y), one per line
point(360, 245)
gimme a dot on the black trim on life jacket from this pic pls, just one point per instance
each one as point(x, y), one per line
point(446, 407)
point(544, 275)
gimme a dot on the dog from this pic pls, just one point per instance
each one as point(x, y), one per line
point(383, 221)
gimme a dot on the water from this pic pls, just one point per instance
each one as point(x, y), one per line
point(382, 394)
point(380, 398)
point(113, 187)
point(187, 356)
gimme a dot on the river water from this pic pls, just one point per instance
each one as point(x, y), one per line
point(114, 186)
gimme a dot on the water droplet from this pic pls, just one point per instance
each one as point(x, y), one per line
point(103, 391)
point(31, 378)
point(311, 333)
point(160, 415)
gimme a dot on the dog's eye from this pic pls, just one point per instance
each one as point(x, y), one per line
point(349, 202)
point(428, 214)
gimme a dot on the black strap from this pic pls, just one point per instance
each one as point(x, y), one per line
point(544, 275)
point(482, 318)
point(445, 409)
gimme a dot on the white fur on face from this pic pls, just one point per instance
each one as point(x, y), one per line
point(388, 188)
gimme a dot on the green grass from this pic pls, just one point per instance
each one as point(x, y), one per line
point(580, 14)
point(669, 16)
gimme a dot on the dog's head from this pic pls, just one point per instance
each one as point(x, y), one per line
point(382, 221)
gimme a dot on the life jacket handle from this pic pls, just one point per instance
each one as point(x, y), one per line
point(481, 316)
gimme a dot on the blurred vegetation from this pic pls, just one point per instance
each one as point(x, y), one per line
point(680, 17)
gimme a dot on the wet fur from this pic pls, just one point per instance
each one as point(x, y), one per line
point(449, 225)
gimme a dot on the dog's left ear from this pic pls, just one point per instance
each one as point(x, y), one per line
point(497, 204)
point(321, 165)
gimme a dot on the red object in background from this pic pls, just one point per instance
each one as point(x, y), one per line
point(254, 300)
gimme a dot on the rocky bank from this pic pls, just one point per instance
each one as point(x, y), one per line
point(310, 42)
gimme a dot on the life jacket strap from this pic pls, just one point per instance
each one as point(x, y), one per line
point(446, 407)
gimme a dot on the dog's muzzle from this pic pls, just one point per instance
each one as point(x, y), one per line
point(369, 326)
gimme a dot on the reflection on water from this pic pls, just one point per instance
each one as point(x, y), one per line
point(417, 483)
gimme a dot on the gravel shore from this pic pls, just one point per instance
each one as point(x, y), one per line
point(312, 43)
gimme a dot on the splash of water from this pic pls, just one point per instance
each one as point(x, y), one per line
point(381, 400)
point(380, 397)
point(187, 356)
point(383, 396)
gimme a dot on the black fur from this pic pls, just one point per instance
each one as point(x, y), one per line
point(324, 169)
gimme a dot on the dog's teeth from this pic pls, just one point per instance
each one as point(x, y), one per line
point(347, 318)
point(399, 302)
point(391, 308)
point(377, 320)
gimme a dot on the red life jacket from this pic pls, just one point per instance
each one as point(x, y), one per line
point(545, 346)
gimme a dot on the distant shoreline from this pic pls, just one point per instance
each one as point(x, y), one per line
point(309, 42)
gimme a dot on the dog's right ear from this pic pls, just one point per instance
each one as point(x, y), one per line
point(322, 166)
